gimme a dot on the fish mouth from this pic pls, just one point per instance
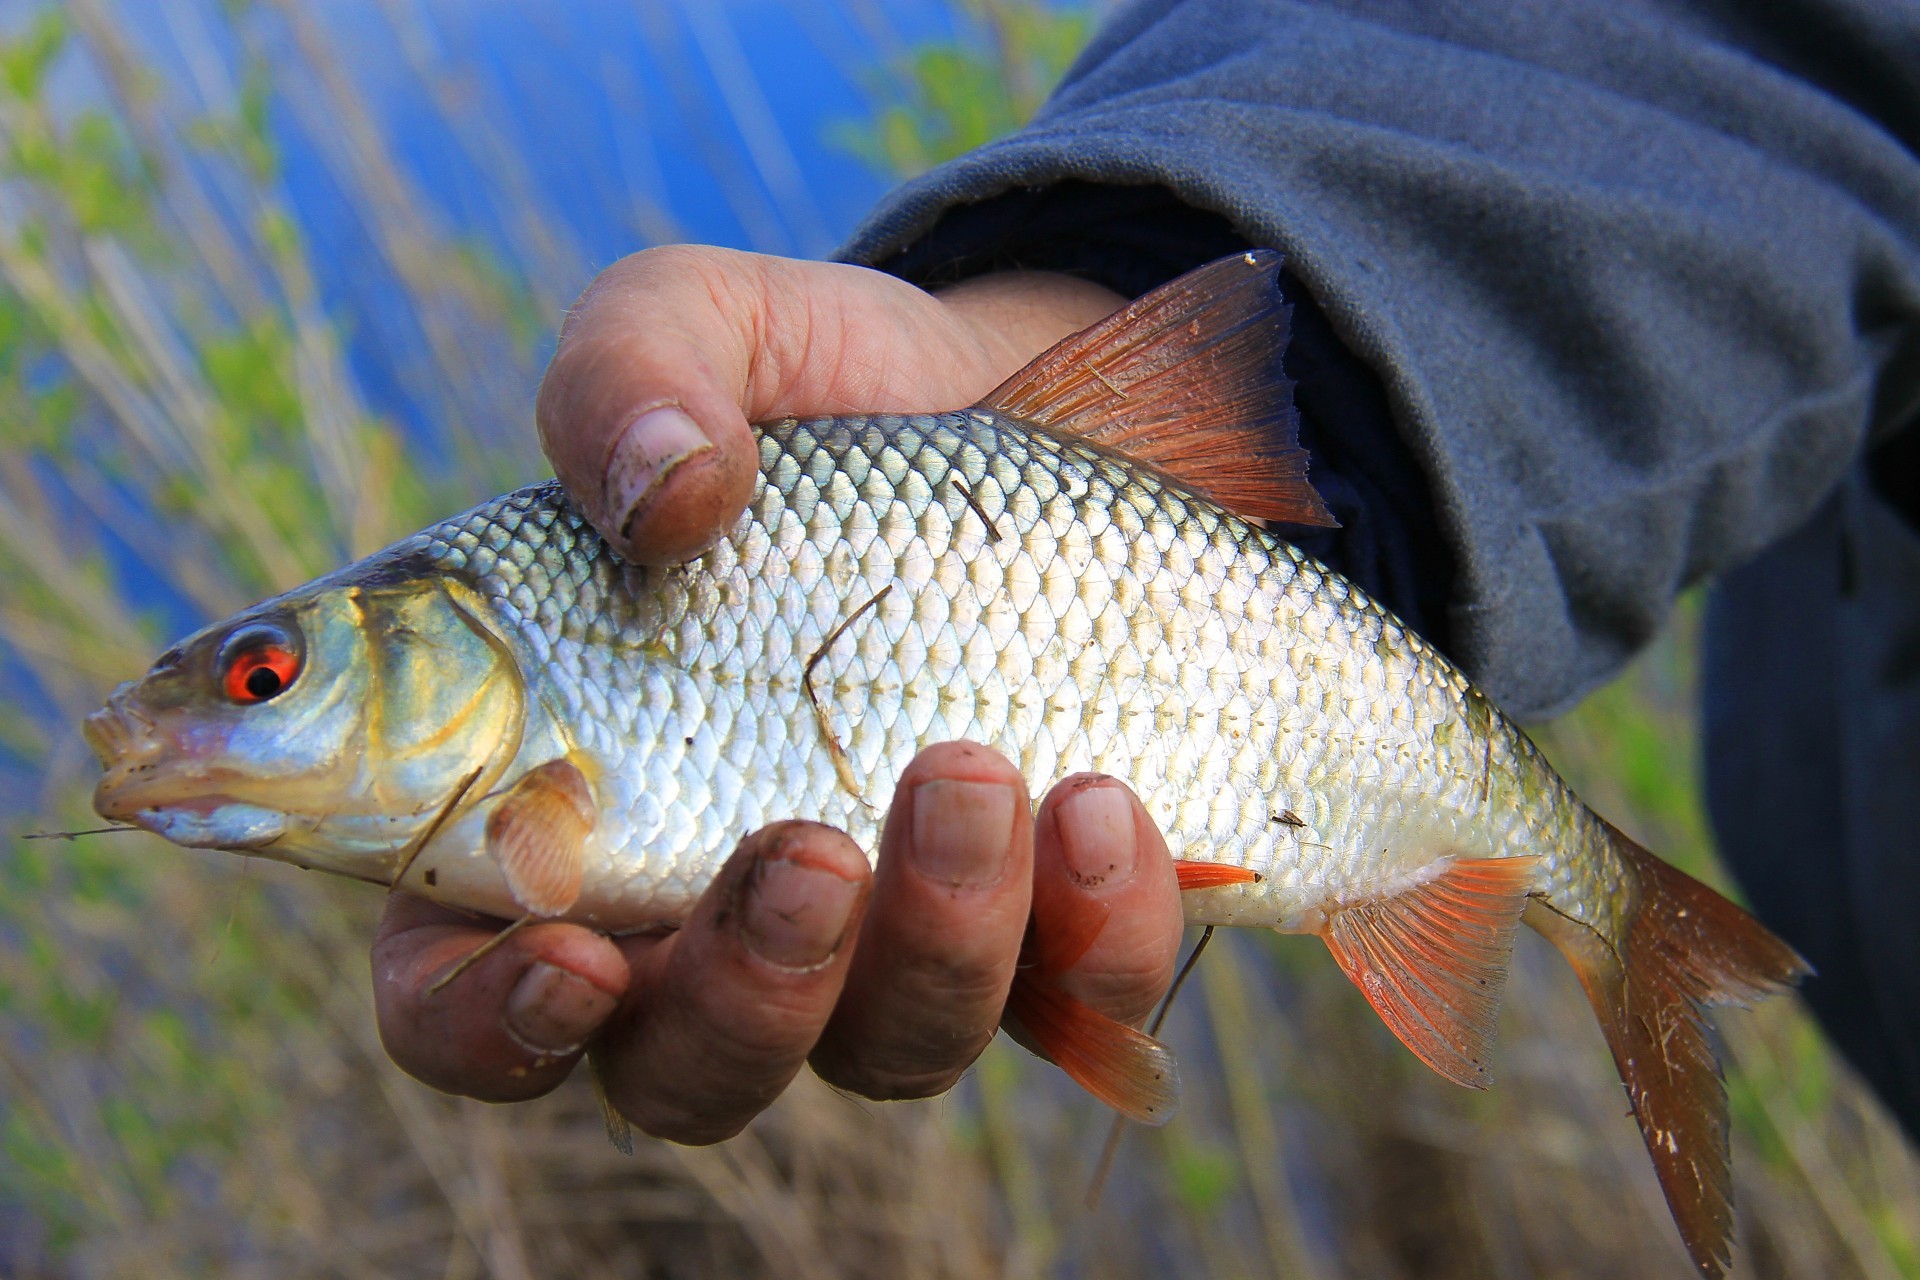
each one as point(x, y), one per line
point(145, 784)
point(207, 820)
point(116, 733)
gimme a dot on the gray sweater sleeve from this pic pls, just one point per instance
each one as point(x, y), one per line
point(1641, 279)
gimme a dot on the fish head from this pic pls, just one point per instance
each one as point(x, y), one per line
point(328, 728)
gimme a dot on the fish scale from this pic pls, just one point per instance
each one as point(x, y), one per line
point(1107, 620)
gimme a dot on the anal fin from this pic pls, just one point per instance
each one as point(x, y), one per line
point(1432, 961)
point(538, 836)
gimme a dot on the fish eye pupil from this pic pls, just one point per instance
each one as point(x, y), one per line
point(263, 682)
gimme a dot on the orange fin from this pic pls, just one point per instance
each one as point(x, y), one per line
point(1188, 380)
point(538, 836)
point(1128, 1070)
point(1211, 875)
point(1059, 948)
point(1685, 948)
point(1433, 961)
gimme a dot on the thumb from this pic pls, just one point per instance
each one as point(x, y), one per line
point(670, 354)
point(641, 409)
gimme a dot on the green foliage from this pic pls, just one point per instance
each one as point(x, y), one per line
point(171, 387)
point(945, 100)
point(103, 181)
point(244, 132)
point(25, 61)
point(1202, 1173)
point(249, 369)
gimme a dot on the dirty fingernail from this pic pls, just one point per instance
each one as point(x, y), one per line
point(795, 915)
point(552, 1011)
point(652, 445)
point(962, 831)
point(1096, 835)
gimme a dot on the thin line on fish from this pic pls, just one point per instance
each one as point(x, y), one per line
point(1072, 571)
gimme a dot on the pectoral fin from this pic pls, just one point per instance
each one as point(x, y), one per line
point(538, 836)
point(1128, 1070)
point(1432, 961)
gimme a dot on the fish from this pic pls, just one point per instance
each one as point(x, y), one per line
point(1082, 571)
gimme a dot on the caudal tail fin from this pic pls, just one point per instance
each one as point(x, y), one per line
point(1685, 947)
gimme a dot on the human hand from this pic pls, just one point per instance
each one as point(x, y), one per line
point(889, 982)
point(909, 973)
point(670, 354)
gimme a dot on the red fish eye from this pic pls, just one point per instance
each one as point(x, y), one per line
point(256, 674)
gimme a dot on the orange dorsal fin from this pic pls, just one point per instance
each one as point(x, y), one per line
point(1211, 875)
point(1432, 961)
point(1684, 947)
point(538, 836)
point(1186, 379)
point(1125, 1068)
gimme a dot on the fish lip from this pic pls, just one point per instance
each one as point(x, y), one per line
point(116, 730)
point(169, 805)
point(209, 822)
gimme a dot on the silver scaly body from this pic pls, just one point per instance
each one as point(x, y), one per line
point(902, 580)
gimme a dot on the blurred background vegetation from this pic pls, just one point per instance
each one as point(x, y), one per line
point(276, 284)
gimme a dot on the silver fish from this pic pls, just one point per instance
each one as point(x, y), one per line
point(501, 714)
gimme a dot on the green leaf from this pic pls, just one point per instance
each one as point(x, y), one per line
point(24, 62)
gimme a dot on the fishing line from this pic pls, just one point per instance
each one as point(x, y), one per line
point(74, 835)
point(433, 828)
point(1112, 1149)
point(480, 953)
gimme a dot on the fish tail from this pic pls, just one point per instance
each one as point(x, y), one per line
point(1684, 948)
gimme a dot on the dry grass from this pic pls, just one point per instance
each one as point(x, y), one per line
point(189, 1079)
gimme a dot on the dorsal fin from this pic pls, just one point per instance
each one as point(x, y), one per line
point(1188, 380)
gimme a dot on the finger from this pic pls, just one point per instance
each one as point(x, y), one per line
point(509, 1028)
point(671, 352)
point(937, 953)
point(1106, 901)
point(723, 1013)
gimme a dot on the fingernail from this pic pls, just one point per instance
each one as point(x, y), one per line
point(1096, 835)
point(552, 1011)
point(652, 445)
point(795, 915)
point(962, 831)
